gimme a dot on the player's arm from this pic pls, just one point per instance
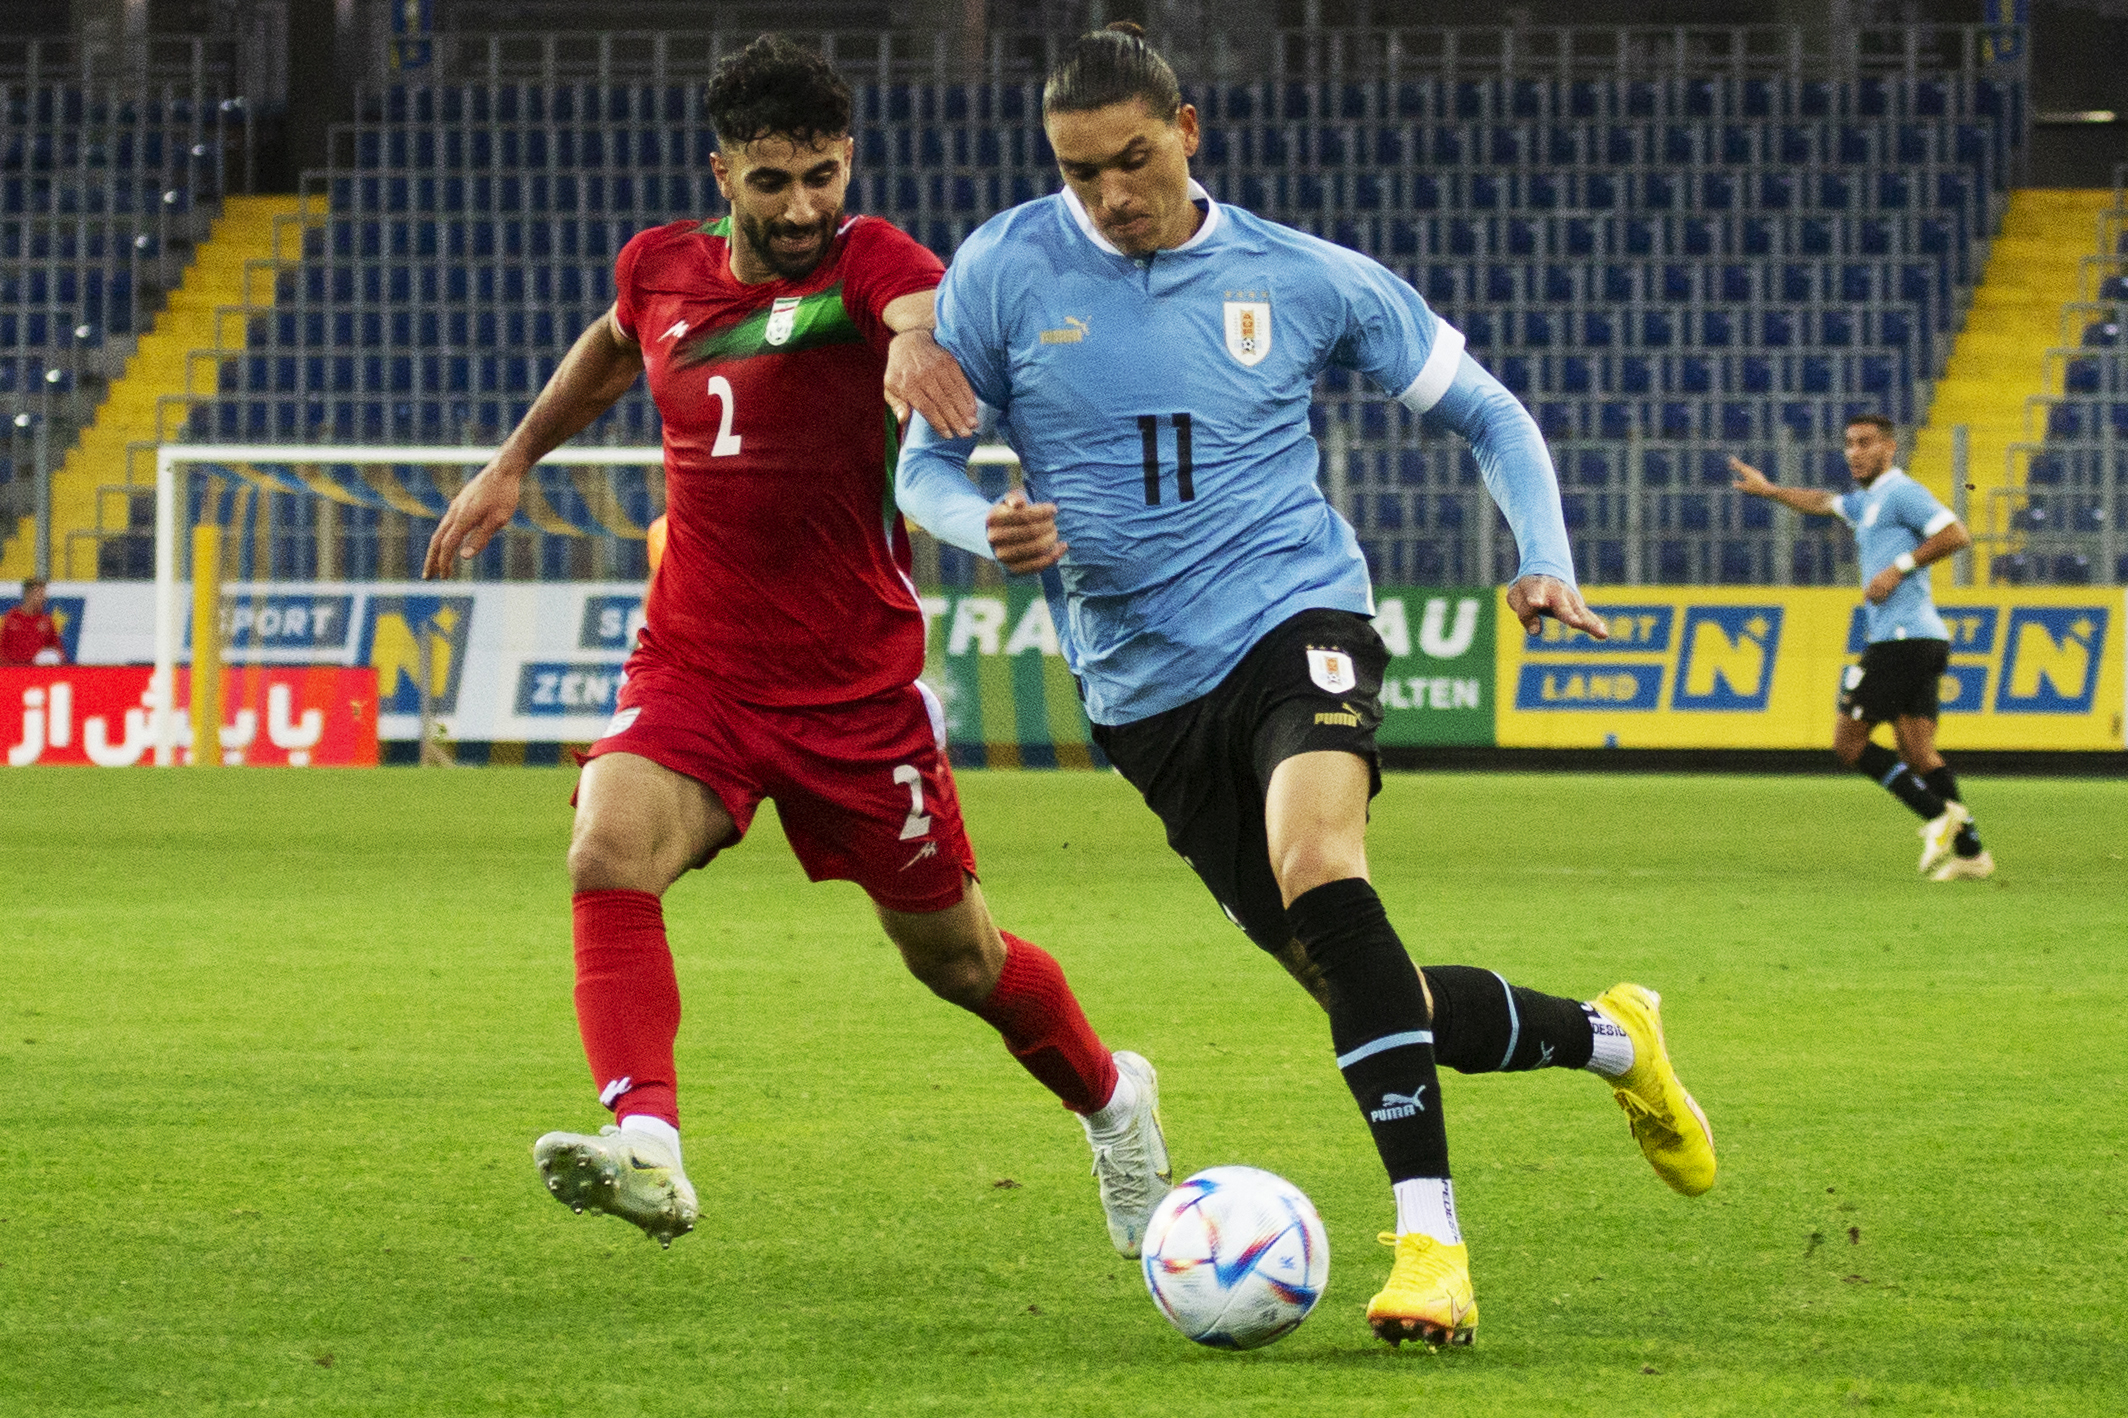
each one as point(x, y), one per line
point(921, 375)
point(598, 369)
point(1816, 501)
point(932, 489)
point(931, 481)
point(1517, 469)
point(1942, 535)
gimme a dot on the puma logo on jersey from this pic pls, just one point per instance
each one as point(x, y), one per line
point(679, 328)
point(1074, 331)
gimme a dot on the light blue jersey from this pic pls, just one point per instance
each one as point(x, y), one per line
point(1895, 514)
point(1162, 403)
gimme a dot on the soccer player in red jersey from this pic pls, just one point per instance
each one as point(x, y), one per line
point(782, 639)
point(29, 634)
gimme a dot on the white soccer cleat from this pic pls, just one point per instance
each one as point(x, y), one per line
point(1974, 868)
point(1937, 834)
point(1134, 1169)
point(631, 1175)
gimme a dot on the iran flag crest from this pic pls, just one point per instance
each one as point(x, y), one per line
point(782, 318)
point(1249, 330)
point(1332, 670)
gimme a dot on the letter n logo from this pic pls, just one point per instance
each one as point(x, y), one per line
point(391, 642)
point(2050, 660)
point(1726, 658)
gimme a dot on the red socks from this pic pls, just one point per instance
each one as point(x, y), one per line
point(627, 1001)
point(1046, 1030)
point(628, 1009)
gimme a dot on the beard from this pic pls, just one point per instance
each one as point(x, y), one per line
point(762, 236)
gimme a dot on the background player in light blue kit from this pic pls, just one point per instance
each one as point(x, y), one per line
point(1150, 354)
point(1899, 529)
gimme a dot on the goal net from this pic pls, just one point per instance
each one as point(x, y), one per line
point(290, 554)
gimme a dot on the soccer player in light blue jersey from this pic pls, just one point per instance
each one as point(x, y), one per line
point(1150, 355)
point(1899, 529)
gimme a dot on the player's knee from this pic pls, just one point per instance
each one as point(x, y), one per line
point(1309, 862)
point(958, 977)
point(601, 860)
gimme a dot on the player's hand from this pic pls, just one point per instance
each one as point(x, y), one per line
point(922, 376)
point(1882, 585)
point(482, 508)
point(1534, 597)
point(1750, 479)
point(1023, 534)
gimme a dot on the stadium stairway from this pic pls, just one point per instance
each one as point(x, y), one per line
point(243, 232)
point(1999, 358)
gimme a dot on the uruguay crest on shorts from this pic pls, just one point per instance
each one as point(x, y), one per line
point(1249, 330)
point(1332, 670)
point(782, 319)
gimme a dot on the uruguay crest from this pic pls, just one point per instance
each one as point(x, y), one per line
point(782, 319)
point(1332, 670)
point(1249, 330)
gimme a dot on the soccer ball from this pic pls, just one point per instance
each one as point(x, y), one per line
point(1236, 1257)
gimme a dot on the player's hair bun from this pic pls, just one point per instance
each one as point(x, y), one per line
point(1112, 65)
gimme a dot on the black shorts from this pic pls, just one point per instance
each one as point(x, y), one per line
point(1896, 679)
point(1313, 683)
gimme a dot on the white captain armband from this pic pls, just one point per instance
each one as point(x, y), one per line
point(1438, 372)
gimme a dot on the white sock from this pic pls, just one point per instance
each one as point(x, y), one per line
point(1106, 1124)
point(1428, 1205)
point(1613, 1052)
point(655, 1127)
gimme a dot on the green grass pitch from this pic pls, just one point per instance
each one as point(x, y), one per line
point(274, 1045)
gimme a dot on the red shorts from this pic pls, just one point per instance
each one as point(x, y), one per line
point(864, 788)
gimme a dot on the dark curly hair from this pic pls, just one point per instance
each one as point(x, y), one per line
point(1114, 65)
point(775, 86)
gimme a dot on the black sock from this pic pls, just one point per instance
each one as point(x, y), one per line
point(1482, 1024)
point(1891, 773)
point(1378, 1023)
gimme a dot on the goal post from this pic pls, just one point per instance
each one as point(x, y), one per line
point(571, 493)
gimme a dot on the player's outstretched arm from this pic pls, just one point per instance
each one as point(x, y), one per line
point(1816, 501)
point(1517, 468)
point(920, 374)
point(597, 370)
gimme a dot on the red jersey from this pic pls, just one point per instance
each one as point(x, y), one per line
point(24, 636)
point(786, 567)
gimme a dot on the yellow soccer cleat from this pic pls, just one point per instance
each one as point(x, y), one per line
point(1974, 868)
point(1428, 1297)
point(1939, 833)
point(1670, 1128)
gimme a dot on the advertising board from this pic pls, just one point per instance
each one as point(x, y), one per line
point(274, 715)
point(1760, 667)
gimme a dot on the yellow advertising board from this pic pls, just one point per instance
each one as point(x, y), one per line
point(1760, 667)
